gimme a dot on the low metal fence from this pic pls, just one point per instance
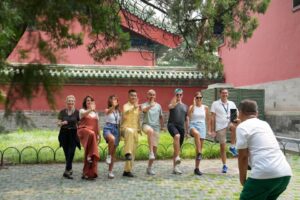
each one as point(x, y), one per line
point(285, 143)
point(163, 152)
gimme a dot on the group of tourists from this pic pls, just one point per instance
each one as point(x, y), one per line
point(196, 120)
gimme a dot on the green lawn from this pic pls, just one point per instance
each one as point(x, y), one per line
point(41, 146)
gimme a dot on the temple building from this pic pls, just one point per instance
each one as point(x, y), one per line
point(134, 69)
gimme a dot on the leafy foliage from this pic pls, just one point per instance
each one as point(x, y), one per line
point(53, 18)
point(203, 25)
point(40, 139)
point(206, 24)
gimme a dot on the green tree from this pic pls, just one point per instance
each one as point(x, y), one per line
point(203, 25)
point(51, 16)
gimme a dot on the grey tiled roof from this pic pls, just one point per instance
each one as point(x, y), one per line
point(122, 72)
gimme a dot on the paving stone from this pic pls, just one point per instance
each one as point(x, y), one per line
point(45, 181)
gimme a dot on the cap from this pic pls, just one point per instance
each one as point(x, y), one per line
point(178, 90)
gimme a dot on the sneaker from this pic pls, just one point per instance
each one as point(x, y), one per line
point(151, 156)
point(177, 160)
point(128, 156)
point(197, 172)
point(150, 171)
point(108, 159)
point(177, 170)
point(67, 175)
point(199, 156)
point(224, 169)
point(233, 151)
point(128, 174)
point(111, 175)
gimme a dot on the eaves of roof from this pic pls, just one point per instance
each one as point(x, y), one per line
point(136, 8)
point(121, 72)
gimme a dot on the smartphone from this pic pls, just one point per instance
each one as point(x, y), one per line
point(233, 115)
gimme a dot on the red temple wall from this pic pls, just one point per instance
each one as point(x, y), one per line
point(101, 94)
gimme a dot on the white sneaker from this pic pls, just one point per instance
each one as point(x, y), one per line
point(108, 159)
point(151, 156)
point(177, 160)
point(177, 170)
point(111, 175)
point(150, 171)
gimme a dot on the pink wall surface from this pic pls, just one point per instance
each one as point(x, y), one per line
point(101, 94)
point(273, 52)
point(78, 55)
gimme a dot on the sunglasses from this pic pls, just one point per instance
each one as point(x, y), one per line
point(178, 95)
point(198, 97)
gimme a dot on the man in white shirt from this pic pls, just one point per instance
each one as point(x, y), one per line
point(220, 123)
point(259, 149)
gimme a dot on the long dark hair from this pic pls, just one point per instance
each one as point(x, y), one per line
point(109, 102)
point(85, 99)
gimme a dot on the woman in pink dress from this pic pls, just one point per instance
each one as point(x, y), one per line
point(88, 133)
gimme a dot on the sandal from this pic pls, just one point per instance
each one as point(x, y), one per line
point(84, 177)
point(89, 160)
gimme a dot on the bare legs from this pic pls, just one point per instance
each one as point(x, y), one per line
point(176, 145)
point(232, 129)
point(150, 162)
point(198, 144)
point(223, 153)
point(150, 133)
point(111, 150)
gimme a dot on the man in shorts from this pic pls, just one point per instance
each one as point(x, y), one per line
point(258, 148)
point(152, 123)
point(220, 123)
point(177, 126)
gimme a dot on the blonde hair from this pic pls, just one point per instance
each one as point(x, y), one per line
point(70, 97)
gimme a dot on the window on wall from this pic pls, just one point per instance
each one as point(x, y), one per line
point(296, 4)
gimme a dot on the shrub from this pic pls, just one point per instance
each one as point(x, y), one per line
point(41, 146)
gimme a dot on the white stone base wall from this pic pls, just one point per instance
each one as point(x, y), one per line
point(280, 95)
point(282, 106)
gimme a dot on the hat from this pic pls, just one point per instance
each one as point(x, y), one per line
point(178, 90)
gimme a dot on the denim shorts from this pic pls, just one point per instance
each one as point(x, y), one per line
point(200, 127)
point(113, 129)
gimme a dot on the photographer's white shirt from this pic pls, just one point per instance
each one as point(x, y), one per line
point(265, 157)
point(222, 112)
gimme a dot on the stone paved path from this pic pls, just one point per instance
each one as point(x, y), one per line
point(45, 182)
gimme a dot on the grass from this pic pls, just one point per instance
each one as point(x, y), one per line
point(41, 146)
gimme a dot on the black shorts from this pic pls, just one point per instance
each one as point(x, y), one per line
point(174, 129)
